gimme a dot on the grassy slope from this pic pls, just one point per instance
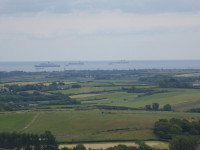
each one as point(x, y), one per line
point(180, 99)
point(174, 98)
point(109, 98)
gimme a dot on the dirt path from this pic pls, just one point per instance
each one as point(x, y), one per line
point(30, 123)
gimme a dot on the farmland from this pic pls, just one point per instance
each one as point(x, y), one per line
point(84, 108)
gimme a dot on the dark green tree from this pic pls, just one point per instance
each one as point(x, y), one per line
point(155, 106)
point(79, 147)
point(49, 141)
point(162, 128)
point(167, 107)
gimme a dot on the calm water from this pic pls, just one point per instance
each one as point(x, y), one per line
point(101, 65)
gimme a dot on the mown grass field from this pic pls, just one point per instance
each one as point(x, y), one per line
point(89, 125)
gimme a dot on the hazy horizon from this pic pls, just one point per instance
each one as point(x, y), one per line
point(93, 30)
point(114, 60)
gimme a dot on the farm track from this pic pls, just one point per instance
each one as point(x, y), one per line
point(30, 123)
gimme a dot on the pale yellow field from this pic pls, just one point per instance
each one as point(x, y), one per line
point(70, 82)
point(21, 83)
point(31, 83)
point(107, 145)
point(188, 75)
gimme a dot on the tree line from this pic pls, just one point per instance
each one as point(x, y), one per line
point(17, 141)
point(24, 96)
point(155, 107)
point(9, 101)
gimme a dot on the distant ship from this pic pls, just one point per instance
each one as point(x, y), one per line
point(47, 65)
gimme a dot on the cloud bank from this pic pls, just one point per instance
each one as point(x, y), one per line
point(99, 29)
point(112, 22)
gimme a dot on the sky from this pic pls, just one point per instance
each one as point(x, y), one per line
point(82, 30)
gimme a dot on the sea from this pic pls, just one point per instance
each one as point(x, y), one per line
point(100, 65)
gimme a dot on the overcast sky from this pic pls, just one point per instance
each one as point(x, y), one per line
point(63, 30)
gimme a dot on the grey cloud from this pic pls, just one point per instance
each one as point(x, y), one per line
point(66, 6)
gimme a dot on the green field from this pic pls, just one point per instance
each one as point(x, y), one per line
point(11, 122)
point(89, 125)
point(191, 99)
